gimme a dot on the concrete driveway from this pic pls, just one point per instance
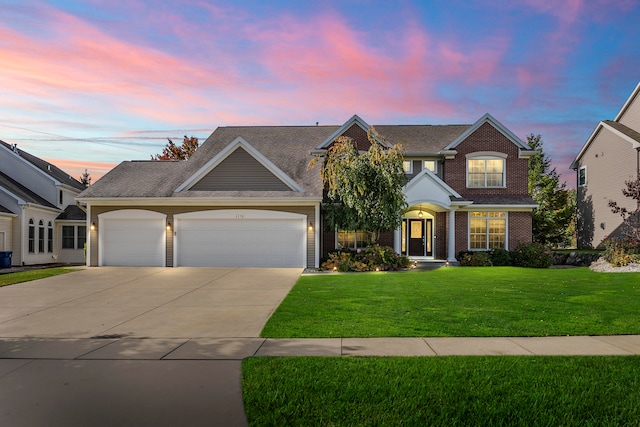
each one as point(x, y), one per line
point(145, 303)
point(72, 353)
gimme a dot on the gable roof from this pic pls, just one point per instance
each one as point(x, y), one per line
point(22, 193)
point(238, 146)
point(488, 118)
point(354, 120)
point(72, 213)
point(45, 167)
point(634, 95)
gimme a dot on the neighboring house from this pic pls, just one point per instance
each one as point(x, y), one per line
point(39, 220)
point(610, 157)
point(247, 198)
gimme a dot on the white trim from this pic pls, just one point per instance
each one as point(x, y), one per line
point(435, 179)
point(88, 231)
point(627, 103)
point(226, 152)
point(506, 230)
point(197, 201)
point(317, 229)
point(355, 119)
point(582, 168)
point(488, 118)
point(485, 157)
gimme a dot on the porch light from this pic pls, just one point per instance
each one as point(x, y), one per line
point(93, 226)
point(420, 214)
point(310, 225)
point(169, 226)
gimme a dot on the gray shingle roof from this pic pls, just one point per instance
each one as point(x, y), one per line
point(48, 168)
point(502, 200)
point(624, 129)
point(72, 213)
point(23, 192)
point(287, 147)
point(4, 210)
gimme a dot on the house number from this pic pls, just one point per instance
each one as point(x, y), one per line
point(239, 216)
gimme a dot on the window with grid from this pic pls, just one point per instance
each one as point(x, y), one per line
point(68, 237)
point(354, 239)
point(487, 230)
point(82, 237)
point(40, 236)
point(49, 237)
point(485, 172)
point(32, 237)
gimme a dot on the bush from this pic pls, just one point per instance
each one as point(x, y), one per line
point(621, 252)
point(500, 257)
point(531, 255)
point(475, 259)
point(373, 258)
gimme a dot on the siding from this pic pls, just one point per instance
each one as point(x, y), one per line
point(240, 171)
point(170, 211)
point(610, 162)
point(631, 117)
point(6, 232)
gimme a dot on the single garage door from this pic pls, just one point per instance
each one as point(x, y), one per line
point(132, 238)
point(240, 238)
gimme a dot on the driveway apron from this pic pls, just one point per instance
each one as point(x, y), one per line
point(133, 346)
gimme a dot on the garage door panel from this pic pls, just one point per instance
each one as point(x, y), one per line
point(133, 242)
point(239, 243)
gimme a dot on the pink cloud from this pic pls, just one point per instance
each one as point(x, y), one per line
point(76, 168)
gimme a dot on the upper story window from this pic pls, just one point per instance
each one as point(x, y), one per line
point(582, 176)
point(61, 197)
point(432, 165)
point(486, 170)
point(407, 165)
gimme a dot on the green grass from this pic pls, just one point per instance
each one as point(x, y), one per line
point(442, 391)
point(496, 301)
point(25, 276)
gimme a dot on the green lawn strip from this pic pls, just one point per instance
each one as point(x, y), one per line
point(442, 391)
point(483, 301)
point(26, 276)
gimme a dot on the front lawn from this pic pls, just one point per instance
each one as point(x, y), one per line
point(442, 391)
point(489, 301)
point(26, 276)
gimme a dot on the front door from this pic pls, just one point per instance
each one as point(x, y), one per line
point(420, 237)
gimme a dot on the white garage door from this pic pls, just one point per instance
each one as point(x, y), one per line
point(132, 238)
point(240, 238)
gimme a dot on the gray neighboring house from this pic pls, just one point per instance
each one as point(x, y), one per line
point(40, 222)
point(608, 158)
point(247, 198)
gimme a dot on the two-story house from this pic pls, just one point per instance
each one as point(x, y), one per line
point(39, 220)
point(608, 158)
point(247, 198)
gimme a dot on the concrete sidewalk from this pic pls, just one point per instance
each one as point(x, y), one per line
point(241, 348)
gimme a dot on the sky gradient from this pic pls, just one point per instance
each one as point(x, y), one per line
point(88, 84)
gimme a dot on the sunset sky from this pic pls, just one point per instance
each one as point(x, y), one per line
point(88, 84)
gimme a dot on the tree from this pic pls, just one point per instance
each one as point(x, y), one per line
point(364, 189)
point(553, 219)
point(173, 152)
point(630, 218)
point(85, 179)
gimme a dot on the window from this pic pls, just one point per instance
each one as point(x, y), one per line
point(582, 176)
point(432, 165)
point(82, 236)
point(49, 237)
point(32, 237)
point(68, 237)
point(487, 230)
point(407, 165)
point(485, 172)
point(353, 239)
point(40, 236)
point(61, 197)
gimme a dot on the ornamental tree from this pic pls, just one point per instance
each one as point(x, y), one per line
point(171, 151)
point(553, 219)
point(364, 190)
point(630, 217)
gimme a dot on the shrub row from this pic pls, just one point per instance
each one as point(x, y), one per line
point(372, 258)
point(531, 255)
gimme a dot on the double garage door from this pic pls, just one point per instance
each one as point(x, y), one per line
point(219, 238)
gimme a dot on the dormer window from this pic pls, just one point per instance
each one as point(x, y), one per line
point(486, 170)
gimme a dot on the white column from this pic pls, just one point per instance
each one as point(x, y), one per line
point(397, 235)
point(451, 237)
